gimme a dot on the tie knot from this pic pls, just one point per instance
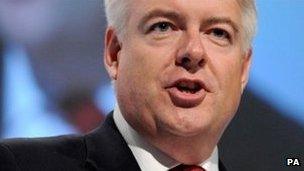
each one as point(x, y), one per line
point(183, 167)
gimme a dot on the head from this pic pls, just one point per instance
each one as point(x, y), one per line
point(180, 67)
point(118, 13)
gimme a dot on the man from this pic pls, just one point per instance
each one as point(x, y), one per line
point(179, 68)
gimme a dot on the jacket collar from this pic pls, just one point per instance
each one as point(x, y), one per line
point(107, 150)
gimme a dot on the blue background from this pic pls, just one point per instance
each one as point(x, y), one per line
point(277, 73)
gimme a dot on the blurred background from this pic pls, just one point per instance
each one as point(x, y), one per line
point(52, 79)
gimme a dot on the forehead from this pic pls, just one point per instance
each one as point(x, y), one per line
point(198, 9)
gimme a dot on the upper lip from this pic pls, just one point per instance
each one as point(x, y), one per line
point(201, 83)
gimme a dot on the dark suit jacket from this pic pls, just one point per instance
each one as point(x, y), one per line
point(103, 149)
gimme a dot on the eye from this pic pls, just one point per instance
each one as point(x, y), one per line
point(220, 33)
point(161, 27)
point(220, 36)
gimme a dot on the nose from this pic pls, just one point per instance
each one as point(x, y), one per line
point(192, 55)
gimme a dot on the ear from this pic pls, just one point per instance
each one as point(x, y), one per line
point(246, 63)
point(111, 52)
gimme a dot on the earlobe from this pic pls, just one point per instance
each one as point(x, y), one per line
point(246, 68)
point(111, 53)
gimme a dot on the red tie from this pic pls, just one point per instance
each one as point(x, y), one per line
point(183, 167)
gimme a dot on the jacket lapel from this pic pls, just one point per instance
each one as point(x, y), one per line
point(221, 166)
point(107, 150)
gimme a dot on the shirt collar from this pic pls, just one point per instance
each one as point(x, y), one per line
point(147, 156)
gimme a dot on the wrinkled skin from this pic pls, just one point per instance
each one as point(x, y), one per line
point(149, 56)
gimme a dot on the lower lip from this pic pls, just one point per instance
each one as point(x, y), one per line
point(184, 99)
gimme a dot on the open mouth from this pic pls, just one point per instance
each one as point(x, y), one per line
point(187, 93)
point(188, 86)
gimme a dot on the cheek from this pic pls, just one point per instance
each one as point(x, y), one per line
point(232, 91)
point(226, 65)
point(227, 72)
point(227, 97)
point(139, 82)
point(140, 69)
point(148, 62)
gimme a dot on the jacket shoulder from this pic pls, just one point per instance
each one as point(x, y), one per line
point(50, 153)
point(7, 159)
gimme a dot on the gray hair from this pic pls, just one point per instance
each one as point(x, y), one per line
point(117, 14)
point(249, 21)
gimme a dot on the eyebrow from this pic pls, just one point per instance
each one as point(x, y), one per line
point(161, 13)
point(221, 20)
point(177, 17)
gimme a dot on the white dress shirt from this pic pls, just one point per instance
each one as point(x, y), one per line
point(147, 156)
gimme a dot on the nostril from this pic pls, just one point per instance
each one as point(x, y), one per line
point(186, 63)
point(201, 62)
point(185, 60)
point(189, 63)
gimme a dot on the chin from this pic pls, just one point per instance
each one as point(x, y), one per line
point(185, 122)
point(189, 127)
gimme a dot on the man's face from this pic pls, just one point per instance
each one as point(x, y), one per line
point(180, 66)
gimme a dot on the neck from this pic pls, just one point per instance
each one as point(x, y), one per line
point(187, 150)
